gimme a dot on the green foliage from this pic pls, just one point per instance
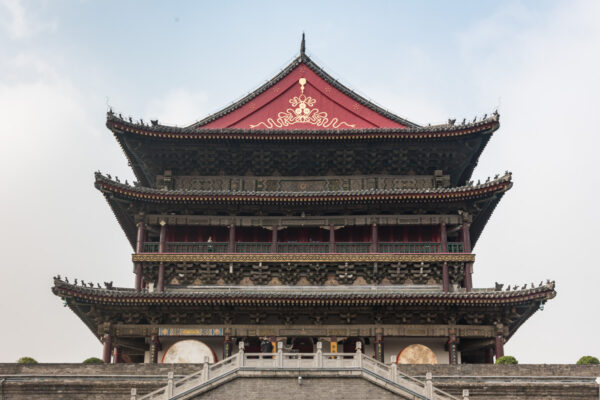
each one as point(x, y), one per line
point(585, 360)
point(93, 360)
point(26, 360)
point(506, 360)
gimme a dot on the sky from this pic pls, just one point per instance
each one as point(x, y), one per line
point(63, 63)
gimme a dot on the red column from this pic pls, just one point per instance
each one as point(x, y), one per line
point(162, 247)
point(331, 239)
point(162, 242)
point(468, 276)
point(141, 233)
point(489, 355)
point(443, 238)
point(138, 276)
point(117, 355)
point(466, 237)
point(107, 348)
point(499, 346)
point(161, 277)
point(139, 247)
point(232, 238)
point(445, 277)
point(274, 240)
point(374, 238)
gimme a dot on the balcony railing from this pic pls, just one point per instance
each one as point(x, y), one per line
point(409, 247)
point(304, 247)
point(455, 247)
point(311, 247)
point(353, 247)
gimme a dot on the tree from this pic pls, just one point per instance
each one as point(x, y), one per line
point(93, 360)
point(505, 360)
point(26, 360)
point(586, 360)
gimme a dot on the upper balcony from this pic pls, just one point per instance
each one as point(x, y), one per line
point(306, 240)
point(304, 248)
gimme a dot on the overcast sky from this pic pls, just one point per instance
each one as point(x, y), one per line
point(62, 63)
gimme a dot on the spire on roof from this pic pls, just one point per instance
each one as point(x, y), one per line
point(302, 45)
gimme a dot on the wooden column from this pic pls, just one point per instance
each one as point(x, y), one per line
point(468, 282)
point(466, 238)
point(232, 238)
point(274, 240)
point(374, 238)
point(379, 346)
point(331, 239)
point(162, 248)
point(443, 238)
point(138, 276)
point(161, 277)
point(445, 278)
point(227, 346)
point(154, 347)
point(162, 241)
point(499, 346)
point(453, 349)
point(141, 236)
point(488, 355)
point(106, 350)
point(139, 247)
point(117, 355)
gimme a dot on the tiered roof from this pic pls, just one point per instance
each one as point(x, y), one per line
point(302, 104)
point(488, 194)
point(527, 301)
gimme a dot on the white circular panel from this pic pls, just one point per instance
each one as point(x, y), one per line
point(188, 352)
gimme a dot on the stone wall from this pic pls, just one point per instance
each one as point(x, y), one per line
point(99, 382)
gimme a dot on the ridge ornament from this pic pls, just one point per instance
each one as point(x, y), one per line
point(303, 113)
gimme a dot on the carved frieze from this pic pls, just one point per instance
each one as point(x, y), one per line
point(303, 273)
point(305, 184)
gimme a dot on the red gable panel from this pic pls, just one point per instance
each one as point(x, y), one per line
point(302, 100)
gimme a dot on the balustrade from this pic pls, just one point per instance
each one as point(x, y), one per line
point(253, 247)
point(310, 247)
point(409, 247)
point(455, 247)
point(353, 247)
point(304, 247)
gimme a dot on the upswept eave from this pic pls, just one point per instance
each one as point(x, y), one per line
point(120, 126)
point(325, 295)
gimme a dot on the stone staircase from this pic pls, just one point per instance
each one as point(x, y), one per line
point(295, 365)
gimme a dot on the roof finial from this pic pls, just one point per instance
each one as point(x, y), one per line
point(302, 45)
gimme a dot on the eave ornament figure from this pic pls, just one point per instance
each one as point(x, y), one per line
point(303, 113)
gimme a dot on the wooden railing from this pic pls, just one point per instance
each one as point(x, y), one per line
point(304, 247)
point(455, 247)
point(310, 247)
point(197, 247)
point(353, 247)
point(409, 247)
point(253, 247)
